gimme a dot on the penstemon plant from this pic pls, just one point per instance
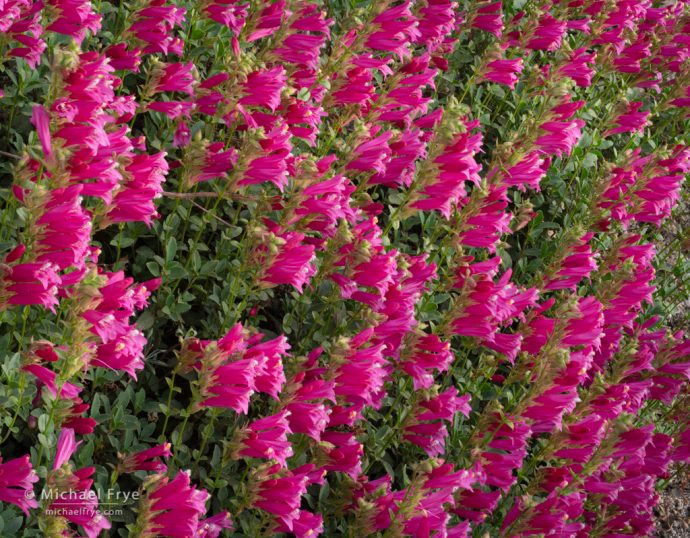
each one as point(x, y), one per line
point(344, 268)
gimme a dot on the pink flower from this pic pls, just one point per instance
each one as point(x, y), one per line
point(578, 263)
point(579, 67)
point(631, 121)
point(503, 72)
point(281, 495)
point(394, 30)
point(270, 376)
point(455, 165)
point(66, 447)
point(585, 328)
point(271, 164)
point(561, 136)
point(344, 453)
point(123, 59)
point(17, 478)
point(41, 121)
point(172, 508)
point(263, 88)
point(146, 460)
point(229, 385)
point(73, 18)
point(306, 35)
point(427, 353)
point(142, 184)
point(305, 525)
point(291, 265)
point(548, 35)
point(211, 527)
point(491, 221)
point(528, 172)
point(489, 17)
point(372, 155)
point(228, 13)
point(425, 428)
point(154, 24)
point(362, 374)
point(268, 21)
point(174, 77)
point(31, 284)
point(48, 378)
point(266, 438)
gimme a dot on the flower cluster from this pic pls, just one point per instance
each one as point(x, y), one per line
point(388, 268)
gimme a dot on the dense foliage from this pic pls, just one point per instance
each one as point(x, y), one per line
point(342, 268)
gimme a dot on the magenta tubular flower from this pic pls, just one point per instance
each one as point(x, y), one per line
point(172, 508)
point(146, 460)
point(503, 72)
point(305, 525)
point(586, 328)
point(546, 411)
point(426, 429)
point(216, 163)
point(66, 447)
point(508, 449)
point(230, 386)
point(263, 88)
point(363, 373)
point(270, 376)
point(74, 501)
point(579, 67)
point(40, 119)
point(63, 233)
point(489, 18)
point(72, 418)
point(154, 25)
point(578, 263)
point(628, 61)
point(266, 438)
point(272, 164)
point(306, 35)
point(345, 455)
point(548, 35)
point(456, 164)
point(268, 22)
point(304, 119)
point(211, 527)
point(31, 284)
point(561, 137)
point(175, 77)
point(228, 13)
point(437, 19)
point(405, 150)
point(631, 121)
point(72, 18)
point(372, 155)
point(427, 354)
point(123, 59)
point(143, 183)
point(308, 418)
point(394, 30)
point(17, 479)
point(48, 378)
point(489, 223)
point(281, 495)
point(525, 174)
point(20, 23)
point(292, 264)
point(475, 505)
point(323, 205)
